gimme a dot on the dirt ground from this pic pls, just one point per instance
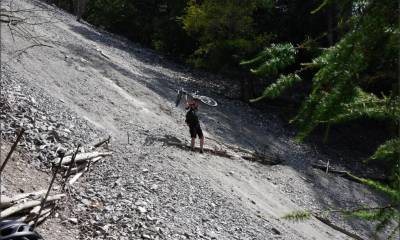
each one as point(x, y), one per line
point(22, 176)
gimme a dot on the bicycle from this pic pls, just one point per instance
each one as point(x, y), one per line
point(204, 99)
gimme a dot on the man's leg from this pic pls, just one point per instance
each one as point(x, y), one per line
point(192, 131)
point(201, 136)
point(201, 144)
point(192, 143)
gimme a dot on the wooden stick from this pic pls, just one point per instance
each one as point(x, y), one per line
point(79, 168)
point(34, 211)
point(337, 228)
point(7, 202)
point(82, 157)
point(8, 157)
point(327, 167)
point(324, 167)
point(107, 140)
point(22, 219)
point(76, 177)
point(26, 205)
point(11, 150)
point(40, 220)
point(70, 166)
point(347, 174)
point(35, 214)
point(49, 189)
point(95, 160)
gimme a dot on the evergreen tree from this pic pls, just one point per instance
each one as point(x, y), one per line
point(356, 78)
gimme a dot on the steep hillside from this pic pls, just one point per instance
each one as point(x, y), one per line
point(100, 84)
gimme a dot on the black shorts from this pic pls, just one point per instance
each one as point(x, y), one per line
point(195, 130)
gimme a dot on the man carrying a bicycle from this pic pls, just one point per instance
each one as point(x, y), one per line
point(193, 122)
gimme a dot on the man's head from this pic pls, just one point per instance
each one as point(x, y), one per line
point(193, 103)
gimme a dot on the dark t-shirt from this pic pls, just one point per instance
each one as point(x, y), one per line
point(191, 118)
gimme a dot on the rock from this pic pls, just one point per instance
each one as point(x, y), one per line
point(140, 203)
point(145, 236)
point(276, 231)
point(142, 209)
point(145, 170)
point(154, 187)
point(73, 220)
point(86, 202)
point(3, 189)
point(148, 217)
point(211, 234)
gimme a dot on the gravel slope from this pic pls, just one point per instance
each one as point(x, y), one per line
point(151, 191)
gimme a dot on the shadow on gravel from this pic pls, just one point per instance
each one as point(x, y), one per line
point(249, 128)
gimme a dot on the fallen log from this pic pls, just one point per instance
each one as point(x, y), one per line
point(72, 163)
point(26, 205)
point(337, 228)
point(7, 202)
point(34, 211)
point(76, 177)
point(94, 160)
point(331, 170)
point(34, 215)
point(79, 168)
point(262, 158)
point(107, 140)
point(347, 174)
point(41, 219)
point(22, 219)
point(81, 157)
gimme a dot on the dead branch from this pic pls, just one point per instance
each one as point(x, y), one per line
point(76, 177)
point(337, 228)
point(7, 202)
point(347, 174)
point(107, 140)
point(41, 219)
point(82, 157)
point(26, 205)
point(24, 50)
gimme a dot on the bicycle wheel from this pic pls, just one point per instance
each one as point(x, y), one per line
point(207, 100)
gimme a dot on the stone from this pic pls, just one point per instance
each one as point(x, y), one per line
point(73, 220)
point(211, 234)
point(142, 209)
point(276, 231)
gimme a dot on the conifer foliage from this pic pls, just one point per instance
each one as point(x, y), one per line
point(366, 55)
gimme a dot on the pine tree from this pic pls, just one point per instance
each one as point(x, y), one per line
point(366, 55)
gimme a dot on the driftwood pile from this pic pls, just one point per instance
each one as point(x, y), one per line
point(77, 164)
point(33, 208)
point(25, 207)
